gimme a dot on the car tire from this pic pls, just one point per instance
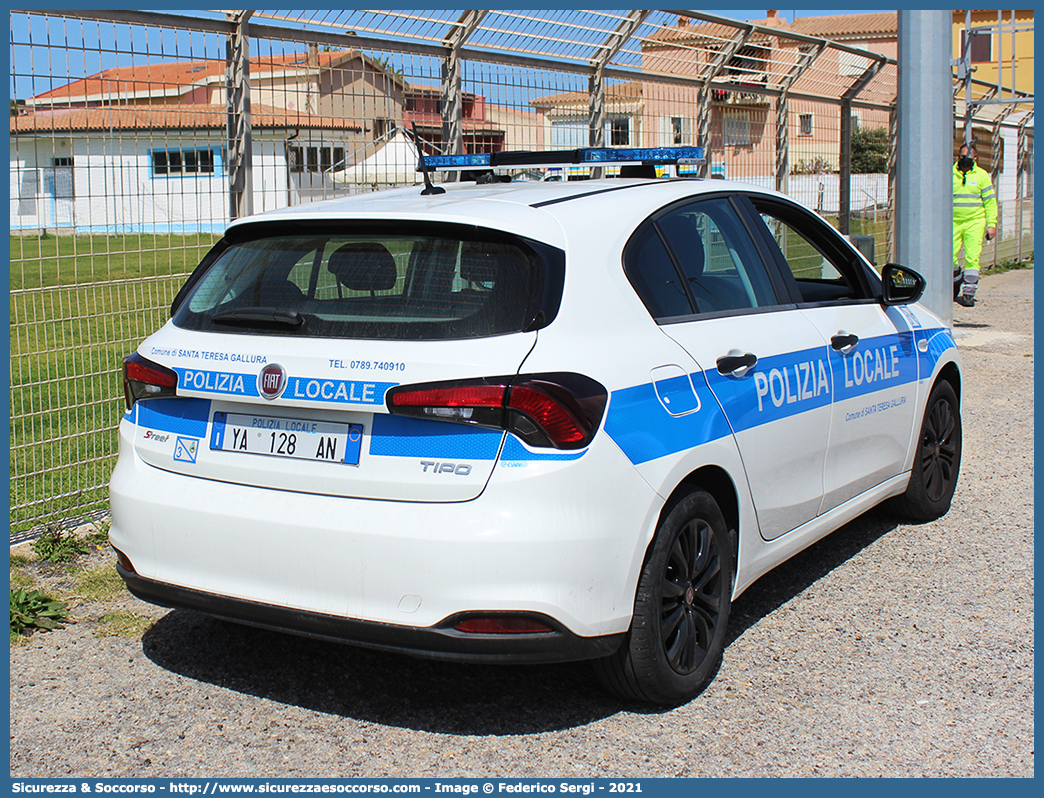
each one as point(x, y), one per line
point(937, 462)
point(681, 609)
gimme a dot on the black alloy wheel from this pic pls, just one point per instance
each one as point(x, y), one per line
point(681, 607)
point(939, 450)
point(691, 603)
point(937, 463)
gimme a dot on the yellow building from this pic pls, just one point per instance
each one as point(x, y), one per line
point(997, 49)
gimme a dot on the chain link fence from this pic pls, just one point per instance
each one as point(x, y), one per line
point(137, 136)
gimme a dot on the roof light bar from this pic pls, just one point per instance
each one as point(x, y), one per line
point(590, 156)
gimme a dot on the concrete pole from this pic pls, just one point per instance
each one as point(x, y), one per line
point(924, 190)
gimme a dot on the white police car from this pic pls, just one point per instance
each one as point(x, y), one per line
point(526, 422)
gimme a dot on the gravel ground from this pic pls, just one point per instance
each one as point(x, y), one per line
point(884, 650)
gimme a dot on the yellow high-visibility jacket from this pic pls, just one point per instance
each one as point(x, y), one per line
point(973, 197)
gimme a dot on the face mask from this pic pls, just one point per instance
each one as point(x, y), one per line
point(965, 163)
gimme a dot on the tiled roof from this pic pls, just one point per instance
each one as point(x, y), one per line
point(169, 117)
point(630, 90)
point(702, 32)
point(178, 77)
point(837, 27)
point(429, 121)
point(848, 26)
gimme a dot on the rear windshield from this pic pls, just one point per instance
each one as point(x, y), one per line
point(377, 284)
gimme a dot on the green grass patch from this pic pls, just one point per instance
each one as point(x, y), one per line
point(124, 624)
point(100, 584)
point(1010, 266)
point(21, 579)
point(78, 305)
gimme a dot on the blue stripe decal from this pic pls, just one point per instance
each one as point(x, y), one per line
point(514, 451)
point(219, 382)
point(644, 430)
point(312, 389)
point(399, 436)
point(779, 387)
point(337, 391)
point(181, 416)
point(939, 340)
point(874, 365)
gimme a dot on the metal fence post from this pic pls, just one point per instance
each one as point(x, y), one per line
point(596, 109)
point(782, 142)
point(453, 86)
point(893, 149)
point(844, 169)
point(237, 92)
point(1020, 177)
point(596, 84)
point(452, 108)
point(845, 165)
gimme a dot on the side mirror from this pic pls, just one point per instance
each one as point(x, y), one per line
point(900, 286)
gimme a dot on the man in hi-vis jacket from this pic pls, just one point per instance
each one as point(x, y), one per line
point(974, 214)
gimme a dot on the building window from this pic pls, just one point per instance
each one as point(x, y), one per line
point(61, 162)
point(182, 162)
point(681, 130)
point(981, 47)
point(855, 122)
point(619, 131)
point(805, 124)
point(736, 128)
point(316, 159)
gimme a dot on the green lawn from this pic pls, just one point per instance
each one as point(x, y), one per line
point(78, 305)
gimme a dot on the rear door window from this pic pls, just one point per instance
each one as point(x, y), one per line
point(696, 259)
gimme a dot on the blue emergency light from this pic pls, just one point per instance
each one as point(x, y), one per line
point(684, 157)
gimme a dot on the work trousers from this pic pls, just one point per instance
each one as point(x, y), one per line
point(969, 234)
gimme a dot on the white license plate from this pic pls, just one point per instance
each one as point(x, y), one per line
point(287, 437)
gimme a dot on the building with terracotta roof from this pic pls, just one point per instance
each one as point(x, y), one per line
point(741, 131)
point(156, 135)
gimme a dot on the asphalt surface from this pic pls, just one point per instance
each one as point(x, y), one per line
point(884, 650)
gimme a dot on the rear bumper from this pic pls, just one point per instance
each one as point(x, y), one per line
point(558, 539)
point(441, 642)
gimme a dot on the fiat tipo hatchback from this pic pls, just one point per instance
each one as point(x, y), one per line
point(525, 421)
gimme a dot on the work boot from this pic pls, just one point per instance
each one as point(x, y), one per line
point(971, 284)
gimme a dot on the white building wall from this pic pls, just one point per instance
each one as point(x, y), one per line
point(116, 191)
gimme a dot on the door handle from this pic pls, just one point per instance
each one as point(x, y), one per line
point(844, 342)
point(736, 363)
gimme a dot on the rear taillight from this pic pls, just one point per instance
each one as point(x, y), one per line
point(560, 410)
point(143, 379)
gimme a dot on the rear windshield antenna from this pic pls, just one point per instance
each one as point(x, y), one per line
point(429, 189)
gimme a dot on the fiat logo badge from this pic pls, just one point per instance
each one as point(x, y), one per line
point(271, 381)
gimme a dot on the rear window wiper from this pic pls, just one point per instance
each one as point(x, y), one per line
point(260, 316)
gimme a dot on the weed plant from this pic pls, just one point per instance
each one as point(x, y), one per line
point(33, 610)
